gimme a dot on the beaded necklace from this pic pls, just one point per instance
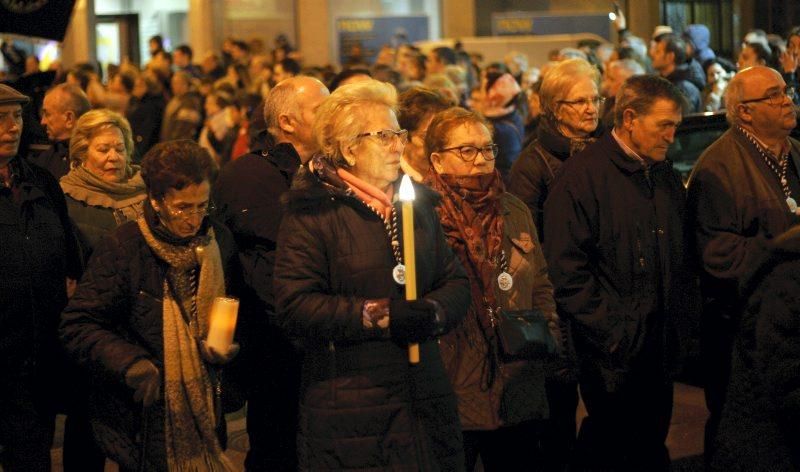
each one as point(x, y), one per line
point(390, 225)
point(504, 280)
point(779, 169)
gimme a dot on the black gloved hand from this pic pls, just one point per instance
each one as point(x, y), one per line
point(415, 321)
point(143, 376)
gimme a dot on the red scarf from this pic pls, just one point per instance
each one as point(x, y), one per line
point(472, 220)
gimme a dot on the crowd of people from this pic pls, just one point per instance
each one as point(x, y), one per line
point(541, 192)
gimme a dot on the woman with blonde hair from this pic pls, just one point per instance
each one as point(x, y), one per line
point(103, 189)
point(339, 288)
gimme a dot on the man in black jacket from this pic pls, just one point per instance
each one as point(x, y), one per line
point(63, 105)
point(248, 194)
point(616, 252)
point(39, 261)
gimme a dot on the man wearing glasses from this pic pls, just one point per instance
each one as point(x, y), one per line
point(743, 191)
point(614, 242)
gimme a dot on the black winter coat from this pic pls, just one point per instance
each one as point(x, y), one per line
point(683, 78)
point(533, 173)
point(114, 319)
point(247, 195)
point(760, 423)
point(38, 251)
point(55, 159)
point(363, 407)
point(145, 115)
point(616, 248)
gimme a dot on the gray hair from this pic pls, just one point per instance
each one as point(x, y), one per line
point(733, 97)
point(559, 80)
point(639, 93)
point(628, 65)
point(338, 120)
point(280, 99)
point(73, 98)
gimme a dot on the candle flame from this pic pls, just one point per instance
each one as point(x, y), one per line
point(406, 189)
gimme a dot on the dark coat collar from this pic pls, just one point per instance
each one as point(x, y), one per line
point(308, 193)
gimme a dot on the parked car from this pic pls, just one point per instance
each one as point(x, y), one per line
point(695, 133)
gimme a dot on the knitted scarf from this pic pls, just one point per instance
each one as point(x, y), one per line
point(126, 196)
point(472, 220)
point(191, 441)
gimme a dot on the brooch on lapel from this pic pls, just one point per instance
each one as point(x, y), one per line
point(524, 243)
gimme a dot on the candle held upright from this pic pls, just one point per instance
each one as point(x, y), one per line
point(222, 323)
point(409, 253)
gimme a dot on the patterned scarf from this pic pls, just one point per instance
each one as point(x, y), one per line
point(191, 440)
point(473, 223)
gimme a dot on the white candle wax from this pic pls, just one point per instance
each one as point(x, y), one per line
point(222, 323)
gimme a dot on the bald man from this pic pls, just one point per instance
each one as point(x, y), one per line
point(247, 195)
point(62, 106)
point(743, 191)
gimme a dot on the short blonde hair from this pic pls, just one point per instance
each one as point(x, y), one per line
point(338, 121)
point(559, 79)
point(91, 123)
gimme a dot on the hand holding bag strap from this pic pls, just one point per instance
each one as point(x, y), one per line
point(524, 334)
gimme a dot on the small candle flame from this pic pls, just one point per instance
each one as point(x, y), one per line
point(406, 189)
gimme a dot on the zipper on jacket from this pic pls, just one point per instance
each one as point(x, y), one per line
point(639, 249)
point(332, 373)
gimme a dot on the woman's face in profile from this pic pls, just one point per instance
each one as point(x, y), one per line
point(377, 159)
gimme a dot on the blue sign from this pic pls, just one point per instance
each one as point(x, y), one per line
point(361, 38)
point(522, 22)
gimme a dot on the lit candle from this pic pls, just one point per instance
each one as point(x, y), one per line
point(409, 255)
point(222, 323)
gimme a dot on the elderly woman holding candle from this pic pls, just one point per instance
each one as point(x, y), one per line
point(140, 317)
point(502, 402)
point(340, 289)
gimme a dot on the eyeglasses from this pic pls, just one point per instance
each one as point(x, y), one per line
point(469, 153)
point(387, 136)
point(775, 97)
point(584, 102)
point(185, 214)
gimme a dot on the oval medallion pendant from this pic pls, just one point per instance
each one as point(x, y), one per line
point(505, 281)
point(399, 274)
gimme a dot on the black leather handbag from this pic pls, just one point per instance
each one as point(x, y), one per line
point(524, 334)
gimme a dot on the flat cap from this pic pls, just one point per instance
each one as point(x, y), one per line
point(9, 95)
